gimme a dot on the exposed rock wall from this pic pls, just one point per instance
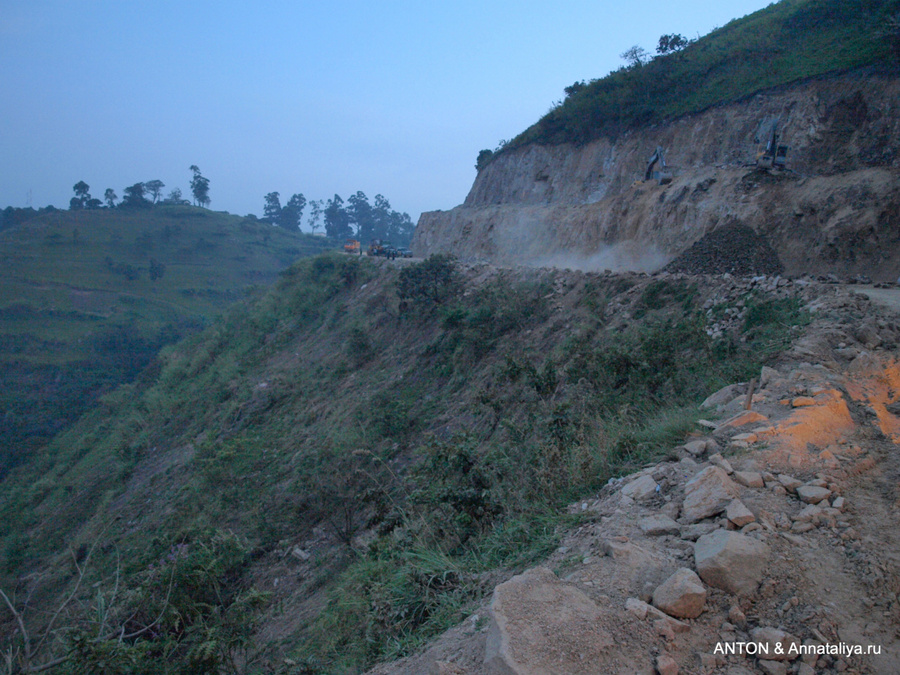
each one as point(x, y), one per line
point(836, 210)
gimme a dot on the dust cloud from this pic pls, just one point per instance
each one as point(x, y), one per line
point(625, 257)
point(541, 237)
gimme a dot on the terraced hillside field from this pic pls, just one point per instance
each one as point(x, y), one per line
point(87, 298)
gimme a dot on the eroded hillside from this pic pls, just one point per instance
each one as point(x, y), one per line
point(348, 465)
point(834, 210)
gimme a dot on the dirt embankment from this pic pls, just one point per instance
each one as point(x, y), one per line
point(835, 210)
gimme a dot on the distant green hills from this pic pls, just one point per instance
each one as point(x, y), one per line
point(88, 297)
point(787, 41)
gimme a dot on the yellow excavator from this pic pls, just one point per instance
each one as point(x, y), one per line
point(774, 154)
point(662, 175)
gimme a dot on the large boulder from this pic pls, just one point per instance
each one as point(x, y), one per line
point(666, 665)
point(641, 488)
point(542, 626)
point(739, 514)
point(813, 494)
point(723, 396)
point(707, 494)
point(751, 479)
point(658, 524)
point(681, 595)
point(730, 561)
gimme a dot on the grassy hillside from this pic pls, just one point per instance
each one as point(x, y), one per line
point(788, 41)
point(88, 297)
point(333, 471)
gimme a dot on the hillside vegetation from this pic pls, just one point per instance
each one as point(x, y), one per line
point(334, 471)
point(88, 297)
point(788, 41)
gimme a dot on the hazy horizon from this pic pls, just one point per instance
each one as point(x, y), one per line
point(292, 97)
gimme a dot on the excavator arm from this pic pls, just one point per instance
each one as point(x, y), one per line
point(662, 175)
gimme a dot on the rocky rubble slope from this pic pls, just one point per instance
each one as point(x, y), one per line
point(773, 530)
point(834, 211)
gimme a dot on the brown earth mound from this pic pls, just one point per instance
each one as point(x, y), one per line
point(733, 248)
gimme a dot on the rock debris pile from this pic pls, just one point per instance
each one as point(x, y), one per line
point(733, 249)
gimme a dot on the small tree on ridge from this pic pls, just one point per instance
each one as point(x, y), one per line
point(199, 187)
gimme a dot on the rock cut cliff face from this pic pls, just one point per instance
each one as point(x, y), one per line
point(835, 210)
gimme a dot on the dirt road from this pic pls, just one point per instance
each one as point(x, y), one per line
point(888, 297)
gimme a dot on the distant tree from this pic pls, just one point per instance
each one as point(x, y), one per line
point(175, 197)
point(337, 221)
point(671, 43)
point(13, 216)
point(401, 228)
point(315, 215)
point(360, 215)
point(574, 88)
point(392, 225)
point(381, 215)
point(199, 187)
point(272, 208)
point(154, 188)
point(635, 56)
point(93, 203)
point(110, 197)
point(298, 201)
point(82, 196)
point(133, 197)
point(290, 215)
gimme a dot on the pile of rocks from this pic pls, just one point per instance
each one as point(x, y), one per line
point(726, 529)
point(733, 248)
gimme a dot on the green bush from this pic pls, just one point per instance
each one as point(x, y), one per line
point(646, 367)
point(660, 293)
point(424, 286)
point(768, 323)
point(202, 610)
point(457, 487)
point(473, 327)
point(766, 312)
point(359, 346)
point(385, 606)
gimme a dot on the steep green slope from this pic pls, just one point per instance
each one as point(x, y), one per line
point(88, 297)
point(788, 41)
point(413, 426)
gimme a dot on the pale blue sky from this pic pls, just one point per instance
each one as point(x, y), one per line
point(390, 97)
